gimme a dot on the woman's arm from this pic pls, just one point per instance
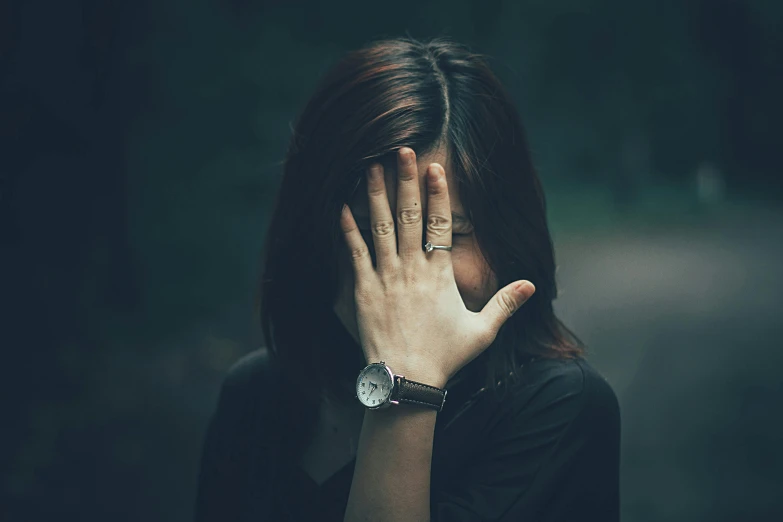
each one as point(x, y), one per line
point(410, 296)
point(391, 481)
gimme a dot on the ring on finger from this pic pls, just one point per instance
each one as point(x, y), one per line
point(429, 247)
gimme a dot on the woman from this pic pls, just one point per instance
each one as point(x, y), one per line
point(511, 423)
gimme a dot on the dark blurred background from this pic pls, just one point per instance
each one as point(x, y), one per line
point(141, 148)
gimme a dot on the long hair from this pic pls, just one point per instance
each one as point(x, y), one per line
point(389, 94)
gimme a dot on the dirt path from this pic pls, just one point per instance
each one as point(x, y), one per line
point(686, 325)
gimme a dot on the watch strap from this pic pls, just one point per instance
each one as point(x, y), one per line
point(412, 392)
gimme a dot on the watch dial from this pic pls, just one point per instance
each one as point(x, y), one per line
point(374, 385)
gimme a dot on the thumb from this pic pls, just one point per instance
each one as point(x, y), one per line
point(504, 303)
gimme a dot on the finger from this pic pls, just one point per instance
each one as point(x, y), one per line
point(504, 303)
point(360, 254)
point(409, 212)
point(381, 218)
point(439, 223)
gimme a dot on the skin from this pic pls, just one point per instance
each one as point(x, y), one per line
point(475, 280)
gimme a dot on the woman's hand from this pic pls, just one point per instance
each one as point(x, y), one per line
point(409, 310)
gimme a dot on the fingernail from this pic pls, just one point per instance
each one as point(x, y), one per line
point(433, 175)
point(525, 287)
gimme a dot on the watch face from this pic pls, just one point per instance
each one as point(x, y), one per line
point(374, 385)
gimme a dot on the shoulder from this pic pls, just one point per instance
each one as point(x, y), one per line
point(237, 436)
point(558, 377)
point(568, 388)
point(249, 379)
point(251, 370)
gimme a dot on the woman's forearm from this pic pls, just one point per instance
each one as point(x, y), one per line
point(391, 481)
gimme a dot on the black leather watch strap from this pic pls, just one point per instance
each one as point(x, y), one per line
point(412, 392)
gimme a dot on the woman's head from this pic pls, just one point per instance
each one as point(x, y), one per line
point(443, 101)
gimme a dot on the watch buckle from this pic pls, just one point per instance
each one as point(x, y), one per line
point(395, 387)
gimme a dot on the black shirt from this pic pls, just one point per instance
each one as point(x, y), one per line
point(548, 452)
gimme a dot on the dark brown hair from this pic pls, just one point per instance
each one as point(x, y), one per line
point(388, 94)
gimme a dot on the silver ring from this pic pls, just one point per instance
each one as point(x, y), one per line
point(429, 247)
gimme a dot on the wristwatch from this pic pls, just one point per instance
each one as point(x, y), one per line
point(377, 387)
